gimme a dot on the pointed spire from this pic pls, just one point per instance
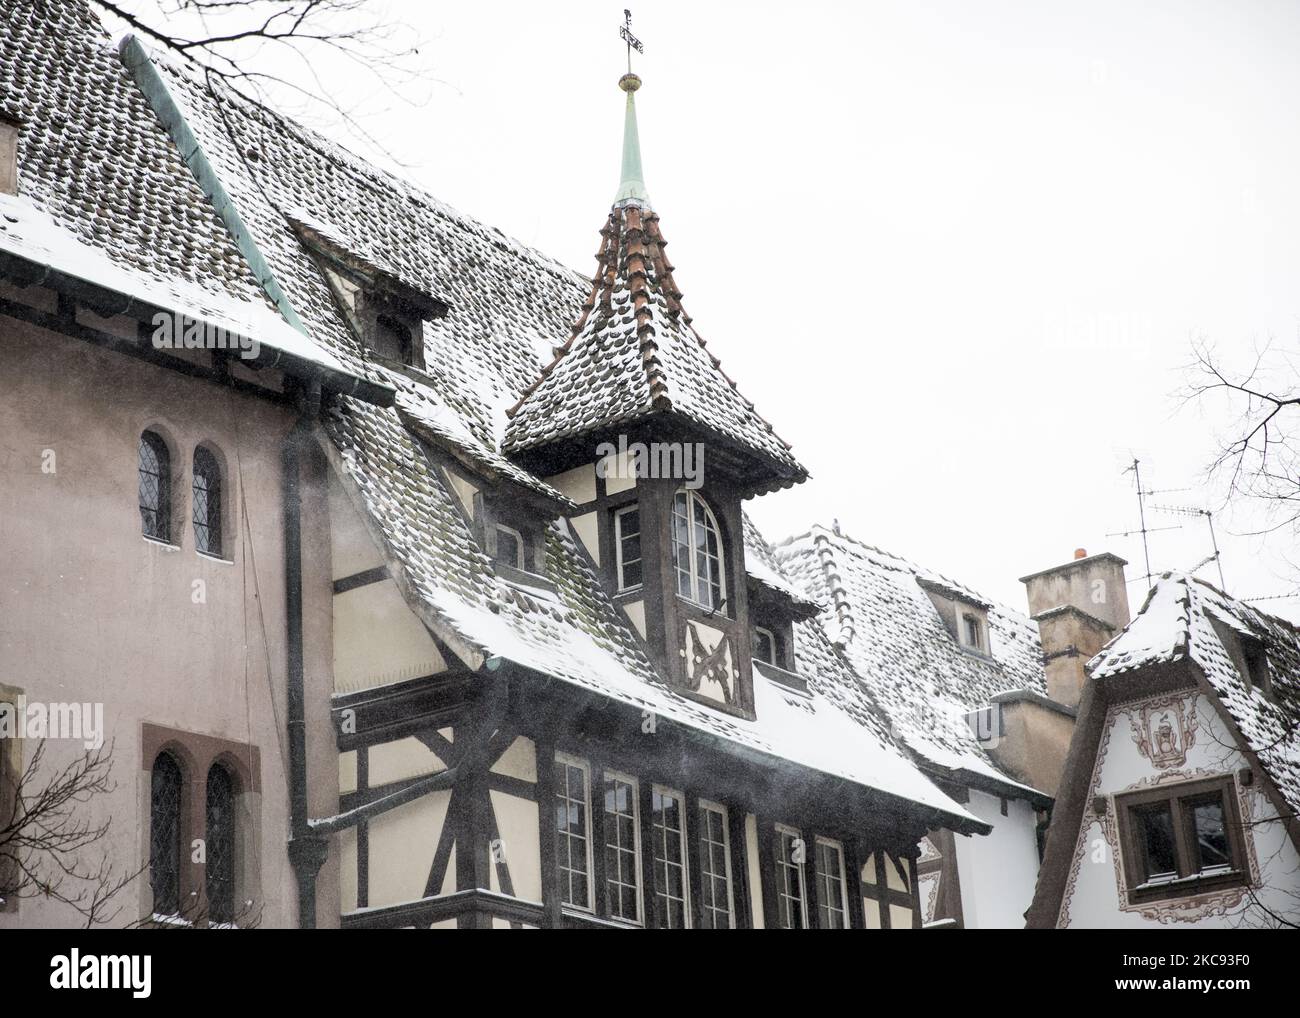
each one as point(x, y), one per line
point(631, 188)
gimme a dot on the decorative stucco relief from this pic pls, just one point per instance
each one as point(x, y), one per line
point(1165, 729)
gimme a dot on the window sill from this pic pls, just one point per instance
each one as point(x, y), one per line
point(163, 545)
point(581, 919)
point(1182, 887)
point(215, 558)
point(706, 612)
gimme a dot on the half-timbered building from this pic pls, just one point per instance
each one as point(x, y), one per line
point(487, 640)
point(1178, 802)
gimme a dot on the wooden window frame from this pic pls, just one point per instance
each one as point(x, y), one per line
point(623, 588)
point(705, 869)
point(1187, 883)
point(771, 641)
point(584, 766)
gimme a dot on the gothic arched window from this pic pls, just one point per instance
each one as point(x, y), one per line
point(207, 501)
point(165, 797)
point(155, 487)
point(220, 845)
point(697, 551)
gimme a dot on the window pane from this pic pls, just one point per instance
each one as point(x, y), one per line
point(830, 887)
point(1155, 833)
point(629, 548)
point(220, 865)
point(1211, 835)
point(165, 835)
point(760, 645)
point(509, 548)
point(789, 882)
point(206, 498)
point(682, 545)
point(155, 487)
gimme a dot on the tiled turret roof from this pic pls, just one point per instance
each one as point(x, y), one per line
point(634, 353)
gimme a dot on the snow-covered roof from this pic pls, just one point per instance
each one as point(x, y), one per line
point(1177, 623)
point(96, 160)
point(910, 665)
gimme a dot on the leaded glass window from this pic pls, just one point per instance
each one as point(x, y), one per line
point(668, 855)
point(155, 487)
point(165, 835)
point(220, 845)
point(207, 502)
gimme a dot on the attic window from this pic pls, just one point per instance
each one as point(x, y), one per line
point(972, 632)
point(1256, 659)
point(510, 546)
point(1249, 656)
point(391, 338)
point(763, 645)
point(10, 128)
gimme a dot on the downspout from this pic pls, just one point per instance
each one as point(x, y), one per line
point(307, 849)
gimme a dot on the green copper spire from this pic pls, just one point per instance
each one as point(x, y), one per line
point(631, 188)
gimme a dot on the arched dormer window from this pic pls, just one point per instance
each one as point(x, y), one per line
point(155, 487)
point(207, 502)
point(219, 864)
point(165, 835)
point(697, 551)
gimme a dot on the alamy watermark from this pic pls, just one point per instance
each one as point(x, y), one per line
point(678, 461)
point(181, 332)
point(82, 722)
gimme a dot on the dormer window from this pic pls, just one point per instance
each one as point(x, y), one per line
point(627, 547)
point(1249, 656)
point(972, 633)
point(697, 551)
point(762, 645)
point(509, 546)
point(391, 338)
point(1256, 659)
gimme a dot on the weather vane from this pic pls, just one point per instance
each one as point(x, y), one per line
point(633, 43)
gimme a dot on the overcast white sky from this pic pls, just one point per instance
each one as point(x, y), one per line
point(955, 251)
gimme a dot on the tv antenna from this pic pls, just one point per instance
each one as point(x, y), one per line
point(1185, 510)
point(1143, 529)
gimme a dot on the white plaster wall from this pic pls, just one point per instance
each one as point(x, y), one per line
point(998, 871)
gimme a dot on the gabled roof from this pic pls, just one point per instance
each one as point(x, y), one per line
point(633, 353)
point(904, 656)
point(1176, 623)
point(97, 159)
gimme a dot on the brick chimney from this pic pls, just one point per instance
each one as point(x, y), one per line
point(1079, 607)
